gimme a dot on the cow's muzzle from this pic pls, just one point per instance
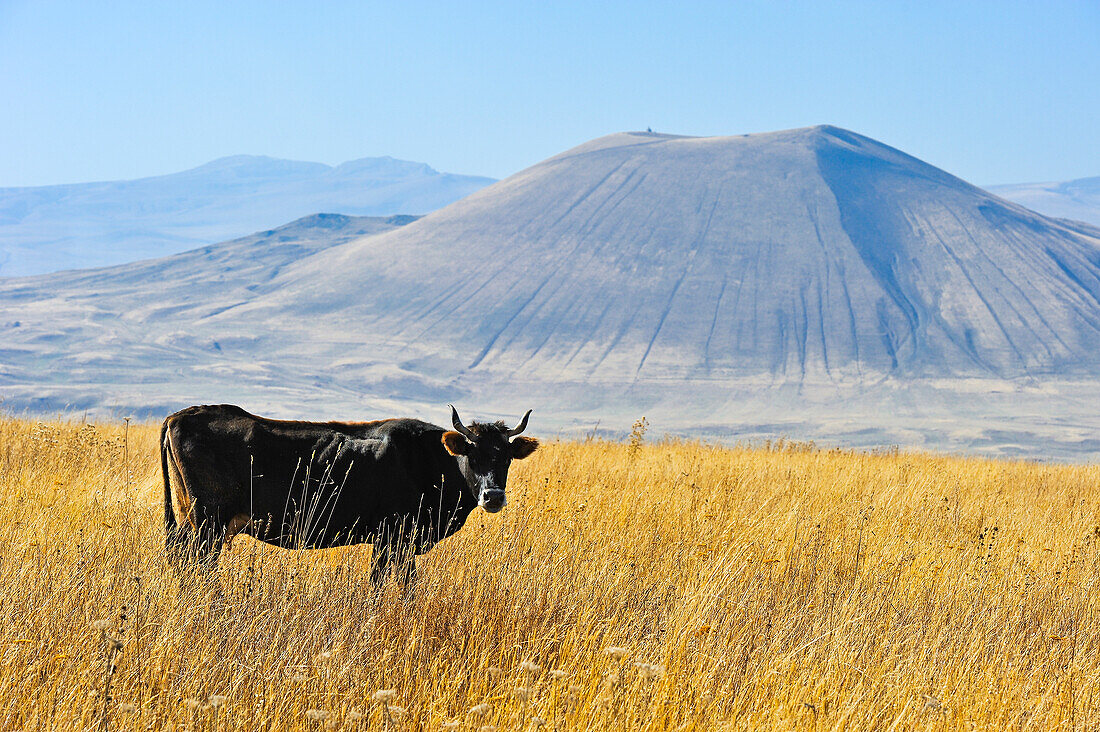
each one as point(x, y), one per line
point(492, 500)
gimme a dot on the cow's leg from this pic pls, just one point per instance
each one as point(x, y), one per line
point(393, 556)
point(177, 544)
point(237, 524)
point(206, 544)
point(406, 569)
point(381, 558)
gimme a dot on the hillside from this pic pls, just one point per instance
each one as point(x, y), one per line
point(810, 282)
point(122, 328)
point(1075, 199)
point(50, 228)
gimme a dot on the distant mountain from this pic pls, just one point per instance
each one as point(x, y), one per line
point(50, 228)
point(813, 283)
point(1076, 199)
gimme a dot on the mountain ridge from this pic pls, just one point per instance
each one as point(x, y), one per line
point(247, 162)
point(80, 225)
point(1077, 200)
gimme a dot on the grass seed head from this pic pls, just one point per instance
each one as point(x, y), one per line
point(384, 695)
point(479, 709)
point(650, 671)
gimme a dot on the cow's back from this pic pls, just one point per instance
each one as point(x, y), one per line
point(229, 456)
point(226, 433)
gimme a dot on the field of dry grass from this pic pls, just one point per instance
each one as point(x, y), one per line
point(666, 586)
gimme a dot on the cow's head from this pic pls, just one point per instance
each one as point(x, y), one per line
point(484, 452)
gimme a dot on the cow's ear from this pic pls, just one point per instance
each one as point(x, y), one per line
point(523, 446)
point(455, 443)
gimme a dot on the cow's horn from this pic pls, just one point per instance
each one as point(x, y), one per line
point(458, 423)
point(522, 425)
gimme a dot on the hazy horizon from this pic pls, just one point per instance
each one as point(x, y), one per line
point(257, 157)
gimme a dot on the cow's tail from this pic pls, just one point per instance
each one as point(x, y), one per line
point(169, 515)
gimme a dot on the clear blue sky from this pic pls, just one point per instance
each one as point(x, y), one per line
point(996, 92)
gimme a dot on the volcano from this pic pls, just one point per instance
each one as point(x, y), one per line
point(785, 282)
point(814, 254)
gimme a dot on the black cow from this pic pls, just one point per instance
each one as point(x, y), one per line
point(401, 484)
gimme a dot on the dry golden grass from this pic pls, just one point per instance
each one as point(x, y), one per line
point(758, 589)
